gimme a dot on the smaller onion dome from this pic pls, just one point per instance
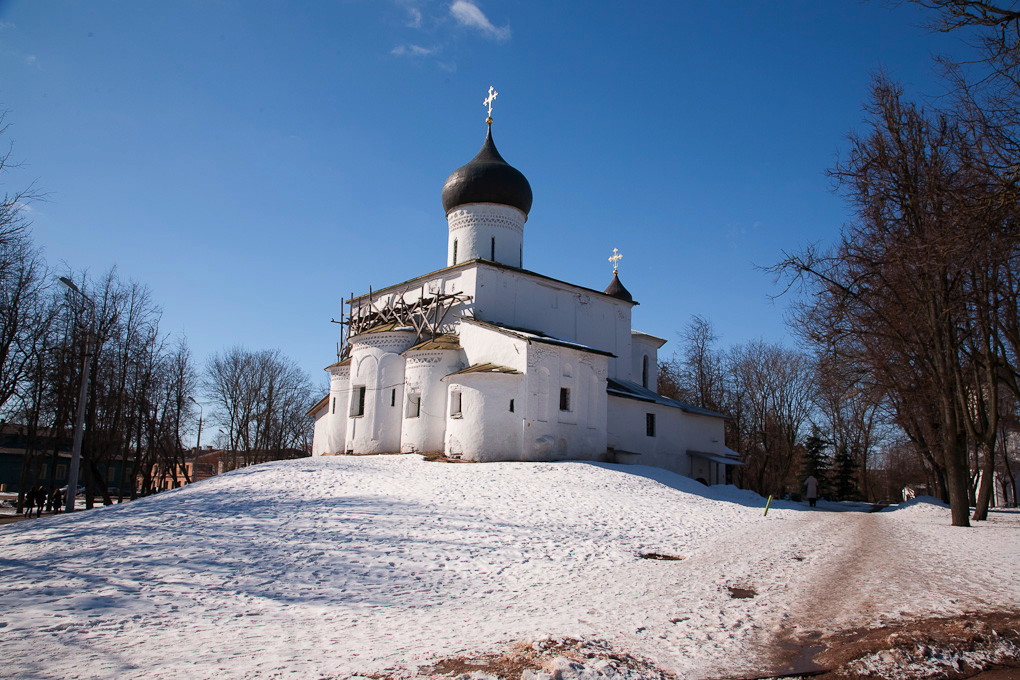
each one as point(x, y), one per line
point(487, 178)
point(616, 289)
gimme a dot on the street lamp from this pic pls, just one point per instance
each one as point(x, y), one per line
point(198, 444)
point(79, 424)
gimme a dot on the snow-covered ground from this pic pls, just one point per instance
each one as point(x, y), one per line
point(332, 567)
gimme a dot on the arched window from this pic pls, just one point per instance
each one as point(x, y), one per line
point(644, 371)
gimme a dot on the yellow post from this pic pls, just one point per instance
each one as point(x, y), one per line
point(767, 504)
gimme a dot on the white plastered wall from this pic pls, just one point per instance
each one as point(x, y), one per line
point(339, 400)
point(485, 429)
point(319, 430)
point(377, 365)
point(423, 376)
point(645, 352)
point(525, 301)
point(485, 231)
point(579, 432)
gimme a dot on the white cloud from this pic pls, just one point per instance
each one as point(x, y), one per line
point(411, 51)
point(468, 14)
point(32, 60)
point(4, 25)
point(414, 17)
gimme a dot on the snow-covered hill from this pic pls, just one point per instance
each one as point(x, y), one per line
point(331, 567)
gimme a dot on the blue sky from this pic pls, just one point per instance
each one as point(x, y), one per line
point(254, 162)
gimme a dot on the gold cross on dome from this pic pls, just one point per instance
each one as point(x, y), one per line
point(488, 102)
point(615, 259)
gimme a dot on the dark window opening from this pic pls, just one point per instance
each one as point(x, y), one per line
point(358, 401)
point(333, 409)
point(564, 398)
point(644, 371)
point(511, 406)
point(393, 397)
point(650, 424)
point(454, 251)
point(414, 406)
point(493, 251)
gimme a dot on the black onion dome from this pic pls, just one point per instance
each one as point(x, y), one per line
point(487, 178)
point(616, 289)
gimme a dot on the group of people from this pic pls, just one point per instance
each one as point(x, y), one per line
point(38, 498)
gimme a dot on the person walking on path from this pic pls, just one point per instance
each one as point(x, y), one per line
point(811, 486)
point(29, 501)
point(58, 500)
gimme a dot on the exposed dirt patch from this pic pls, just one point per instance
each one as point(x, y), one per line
point(936, 649)
point(439, 457)
point(739, 593)
point(545, 660)
point(661, 556)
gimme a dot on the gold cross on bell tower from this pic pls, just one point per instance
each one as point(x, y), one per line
point(488, 102)
point(615, 259)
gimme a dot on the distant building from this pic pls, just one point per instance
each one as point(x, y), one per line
point(47, 456)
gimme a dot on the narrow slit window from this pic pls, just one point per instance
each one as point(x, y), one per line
point(333, 408)
point(492, 255)
point(393, 397)
point(511, 406)
point(455, 403)
point(650, 424)
point(564, 398)
point(644, 371)
point(454, 251)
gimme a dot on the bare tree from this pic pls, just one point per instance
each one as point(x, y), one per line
point(260, 400)
point(894, 297)
point(775, 388)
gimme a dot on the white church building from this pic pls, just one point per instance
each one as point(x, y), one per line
point(484, 360)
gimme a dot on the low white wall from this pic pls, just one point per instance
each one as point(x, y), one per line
point(675, 433)
point(319, 431)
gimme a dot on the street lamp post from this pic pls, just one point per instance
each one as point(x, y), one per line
point(198, 444)
point(79, 423)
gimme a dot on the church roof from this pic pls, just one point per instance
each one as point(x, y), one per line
point(338, 364)
point(659, 342)
point(479, 262)
point(617, 290)
point(486, 368)
point(318, 405)
point(487, 178)
point(537, 336)
point(445, 341)
point(387, 327)
point(631, 390)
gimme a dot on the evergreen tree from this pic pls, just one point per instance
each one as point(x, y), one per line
point(816, 460)
point(844, 476)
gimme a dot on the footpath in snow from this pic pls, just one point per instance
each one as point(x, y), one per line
point(382, 565)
